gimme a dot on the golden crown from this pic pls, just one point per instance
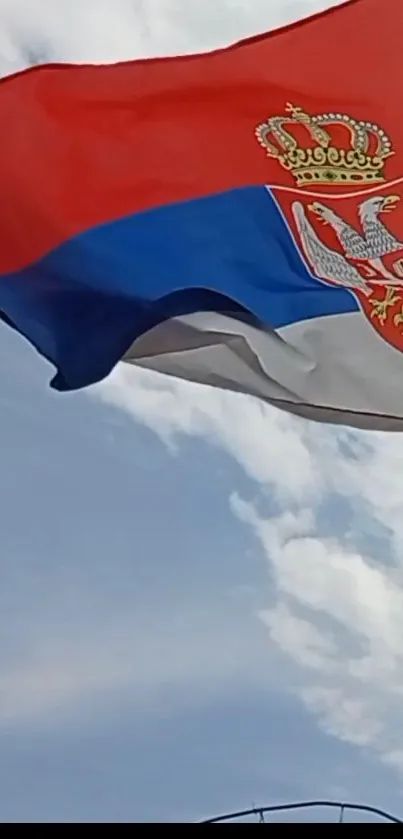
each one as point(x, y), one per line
point(359, 164)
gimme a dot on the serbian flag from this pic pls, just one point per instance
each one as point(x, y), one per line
point(233, 218)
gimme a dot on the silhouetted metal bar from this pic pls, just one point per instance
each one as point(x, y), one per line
point(302, 805)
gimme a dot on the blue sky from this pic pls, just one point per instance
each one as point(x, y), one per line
point(201, 598)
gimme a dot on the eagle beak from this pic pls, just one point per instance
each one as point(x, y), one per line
point(389, 203)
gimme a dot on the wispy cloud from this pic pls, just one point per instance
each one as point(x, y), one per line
point(333, 546)
point(171, 407)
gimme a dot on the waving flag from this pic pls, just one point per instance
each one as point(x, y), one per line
point(232, 218)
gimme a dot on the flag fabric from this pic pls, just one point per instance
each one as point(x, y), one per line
point(233, 218)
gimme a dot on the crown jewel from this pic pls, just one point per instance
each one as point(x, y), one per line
point(360, 163)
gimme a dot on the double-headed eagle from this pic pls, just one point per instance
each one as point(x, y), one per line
point(369, 246)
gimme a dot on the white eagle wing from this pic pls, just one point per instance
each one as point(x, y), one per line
point(325, 262)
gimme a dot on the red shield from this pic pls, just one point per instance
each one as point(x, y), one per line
point(354, 241)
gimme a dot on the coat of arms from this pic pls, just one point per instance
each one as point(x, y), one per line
point(338, 164)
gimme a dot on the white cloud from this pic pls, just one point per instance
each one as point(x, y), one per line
point(338, 598)
point(347, 718)
point(268, 444)
point(348, 644)
point(300, 639)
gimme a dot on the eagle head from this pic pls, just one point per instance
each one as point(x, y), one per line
point(372, 207)
point(325, 214)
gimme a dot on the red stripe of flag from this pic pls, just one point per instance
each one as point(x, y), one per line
point(82, 145)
